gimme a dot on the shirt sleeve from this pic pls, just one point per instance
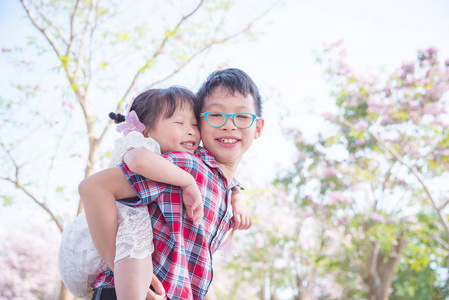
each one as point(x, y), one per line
point(148, 190)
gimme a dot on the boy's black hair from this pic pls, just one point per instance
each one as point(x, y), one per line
point(150, 105)
point(234, 80)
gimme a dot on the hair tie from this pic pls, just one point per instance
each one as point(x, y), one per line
point(118, 118)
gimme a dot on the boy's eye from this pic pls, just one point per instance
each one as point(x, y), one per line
point(243, 116)
point(195, 125)
point(181, 123)
point(216, 115)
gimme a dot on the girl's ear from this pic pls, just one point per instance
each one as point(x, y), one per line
point(146, 132)
point(259, 127)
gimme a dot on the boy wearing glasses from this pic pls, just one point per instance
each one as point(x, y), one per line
point(229, 106)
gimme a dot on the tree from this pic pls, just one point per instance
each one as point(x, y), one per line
point(100, 53)
point(363, 199)
point(377, 165)
point(20, 264)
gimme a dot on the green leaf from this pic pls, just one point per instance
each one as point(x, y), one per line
point(7, 200)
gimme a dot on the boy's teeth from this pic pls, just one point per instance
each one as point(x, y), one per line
point(228, 141)
point(188, 144)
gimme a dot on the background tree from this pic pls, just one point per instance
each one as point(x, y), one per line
point(20, 263)
point(378, 166)
point(363, 200)
point(92, 57)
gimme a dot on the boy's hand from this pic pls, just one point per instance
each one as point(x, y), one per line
point(242, 217)
point(193, 201)
point(157, 286)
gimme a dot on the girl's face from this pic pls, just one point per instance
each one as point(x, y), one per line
point(177, 133)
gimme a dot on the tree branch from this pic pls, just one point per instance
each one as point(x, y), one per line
point(47, 34)
point(158, 52)
point(18, 185)
point(48, 21)
point(401, 160)
point(72, 26)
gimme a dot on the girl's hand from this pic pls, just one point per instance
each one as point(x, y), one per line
point(193, 201)
point(242, 217)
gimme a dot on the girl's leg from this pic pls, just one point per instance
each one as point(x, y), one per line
point(133, 277)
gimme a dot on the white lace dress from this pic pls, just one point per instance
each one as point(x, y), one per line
point(78, 260)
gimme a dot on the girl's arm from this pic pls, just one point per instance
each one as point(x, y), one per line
point(242, 217)
point(98, 193)
point(153, 166)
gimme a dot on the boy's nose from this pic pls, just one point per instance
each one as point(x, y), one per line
point(229, 124)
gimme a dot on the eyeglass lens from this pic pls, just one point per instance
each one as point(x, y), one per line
point(241, 120)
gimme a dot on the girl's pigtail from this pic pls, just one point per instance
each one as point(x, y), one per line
point(118, 118)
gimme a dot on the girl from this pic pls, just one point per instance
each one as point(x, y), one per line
point(169, 124)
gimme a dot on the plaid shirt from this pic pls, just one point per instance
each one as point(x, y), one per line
point(182, 259)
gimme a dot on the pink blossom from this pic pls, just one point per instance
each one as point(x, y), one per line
point(360, 142)
point(362, 125)
point(434, 109)
point(317, 206)
point(408, 67)
point(308, 215)
point(399, 181)
point(338, 197)
point(331, 171)
point(377, 217)
point(410, 219)
point(132, 123)
point(342, 221)
point(328, 116)
point(5, 50)
point(432, 50)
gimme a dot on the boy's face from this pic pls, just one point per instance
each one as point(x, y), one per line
point(228, 143)
point(177, 133)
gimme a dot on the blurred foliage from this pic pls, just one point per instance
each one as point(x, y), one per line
point(360, 211)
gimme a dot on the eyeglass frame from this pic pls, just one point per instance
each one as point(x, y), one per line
point(204, 114)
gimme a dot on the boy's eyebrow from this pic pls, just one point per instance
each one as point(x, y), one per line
point(221, 106)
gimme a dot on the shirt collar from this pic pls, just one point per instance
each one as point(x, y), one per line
point(209, 160)
point(207, 157)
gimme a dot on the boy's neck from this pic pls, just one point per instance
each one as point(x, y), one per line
point(229, 171)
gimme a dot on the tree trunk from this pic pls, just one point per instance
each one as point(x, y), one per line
point(381, 270)
point(64, 293)
point(302, 291)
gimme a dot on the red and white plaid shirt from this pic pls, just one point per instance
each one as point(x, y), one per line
point(182, 258)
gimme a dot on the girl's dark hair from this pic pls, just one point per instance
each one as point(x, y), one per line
point(233, 80)
point(154, 103)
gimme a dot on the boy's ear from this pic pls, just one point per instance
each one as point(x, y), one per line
point(259, 127)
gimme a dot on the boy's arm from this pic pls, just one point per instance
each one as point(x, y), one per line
point(153, 166)
point(242, 217)
point(98, 193)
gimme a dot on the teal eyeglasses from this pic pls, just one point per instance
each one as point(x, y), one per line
point(218, 118)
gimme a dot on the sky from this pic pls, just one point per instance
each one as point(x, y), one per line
point(377, 34)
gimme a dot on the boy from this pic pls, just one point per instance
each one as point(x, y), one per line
point(230, 109)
